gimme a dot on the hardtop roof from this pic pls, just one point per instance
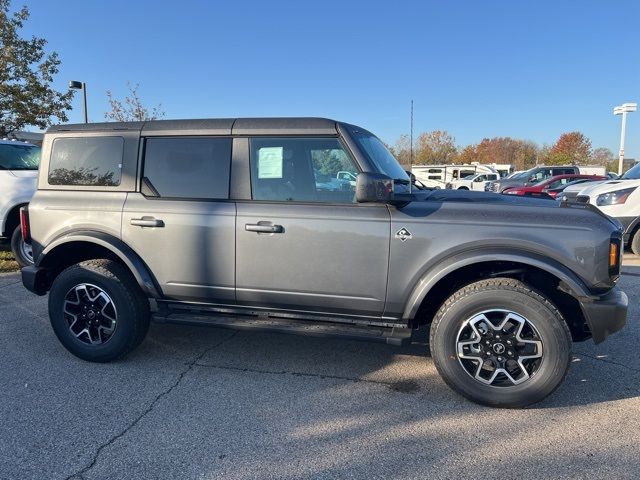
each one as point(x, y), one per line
point(212, 126)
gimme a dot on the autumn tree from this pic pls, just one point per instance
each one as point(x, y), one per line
point(468, 154)
point(501, 150)
point(26, 74)
point(435, 147)
point(572, 147)
point(602, 156)
point(402, 150)
point(131, 108)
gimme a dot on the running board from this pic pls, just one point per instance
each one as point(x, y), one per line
point(390, 336)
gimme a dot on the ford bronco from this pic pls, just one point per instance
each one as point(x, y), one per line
point(245, 223)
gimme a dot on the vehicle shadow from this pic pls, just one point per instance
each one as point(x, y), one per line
point(407, 369)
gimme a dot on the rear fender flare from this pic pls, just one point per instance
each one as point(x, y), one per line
point(126, 254)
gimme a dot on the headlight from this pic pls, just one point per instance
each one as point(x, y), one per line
point(510, 192)
point(614, 198)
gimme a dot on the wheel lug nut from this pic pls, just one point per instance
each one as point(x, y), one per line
point(500, 359)
point(510, 353)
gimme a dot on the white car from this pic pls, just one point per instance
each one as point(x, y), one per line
point(619, 199)
point(473, 182)
point(19, 163)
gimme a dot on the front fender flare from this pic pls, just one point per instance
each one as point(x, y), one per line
point(569, 281)
point(129, 257)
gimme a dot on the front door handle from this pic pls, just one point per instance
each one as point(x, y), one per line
point(256, 227)
point(147, 222)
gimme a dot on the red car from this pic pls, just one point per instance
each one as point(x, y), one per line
point(552, 186)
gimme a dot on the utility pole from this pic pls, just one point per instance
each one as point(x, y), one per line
point(623, 110)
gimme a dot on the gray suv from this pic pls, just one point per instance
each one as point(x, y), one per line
point(254, 224)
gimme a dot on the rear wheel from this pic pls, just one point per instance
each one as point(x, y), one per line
point(500, 343)
point(21, 250)
point(635, 242)
point(98, 311)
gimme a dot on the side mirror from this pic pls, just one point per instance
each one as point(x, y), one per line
point(373, 187)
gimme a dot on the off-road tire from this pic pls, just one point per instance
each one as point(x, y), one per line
point(635, 242)
point(503, 294)
point(131, 305)
point(16, 248)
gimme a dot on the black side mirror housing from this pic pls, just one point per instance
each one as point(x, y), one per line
point(373, 187)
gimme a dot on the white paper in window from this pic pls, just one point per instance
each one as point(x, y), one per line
point(270, 162)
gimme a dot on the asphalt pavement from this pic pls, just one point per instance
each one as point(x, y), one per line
point(205, 403)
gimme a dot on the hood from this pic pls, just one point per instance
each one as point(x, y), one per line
point(476, 206)
point(598, 188)
point(510, 181)
point(471, 196)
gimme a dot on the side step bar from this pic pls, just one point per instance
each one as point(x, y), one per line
point(389, 335)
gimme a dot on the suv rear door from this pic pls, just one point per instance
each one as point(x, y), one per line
point(302, 243)
point(181, 221)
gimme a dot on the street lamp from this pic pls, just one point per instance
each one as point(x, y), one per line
point(623, 110)
point(75, 85)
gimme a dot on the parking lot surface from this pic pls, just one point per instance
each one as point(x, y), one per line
point(196, 402)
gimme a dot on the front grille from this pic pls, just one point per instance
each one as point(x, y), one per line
point(582, 199)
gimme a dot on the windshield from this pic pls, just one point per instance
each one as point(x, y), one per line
point(469, 177)
point(521, 175)
point(382, 158)
point(632, 173)
point(19, 157)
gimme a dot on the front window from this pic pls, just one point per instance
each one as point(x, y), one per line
point(633, 173)
point(19, 157)
point(302, 170)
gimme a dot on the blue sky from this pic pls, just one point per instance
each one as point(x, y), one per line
point(478, 69)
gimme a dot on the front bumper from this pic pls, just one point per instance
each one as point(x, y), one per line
point(606, 314)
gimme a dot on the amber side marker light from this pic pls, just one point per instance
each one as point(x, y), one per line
point(614, 258)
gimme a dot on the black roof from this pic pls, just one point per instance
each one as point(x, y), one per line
point(213, 126)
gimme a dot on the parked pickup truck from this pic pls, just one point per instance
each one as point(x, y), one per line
point(226, 222)
point(473, 182)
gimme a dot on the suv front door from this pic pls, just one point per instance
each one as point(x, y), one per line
point(303, 243)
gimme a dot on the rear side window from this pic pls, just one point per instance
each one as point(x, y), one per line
point(195, 168)
point(88, 161)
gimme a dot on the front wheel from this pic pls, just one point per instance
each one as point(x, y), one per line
point(98, 311)
point(21, 250)
point(500, 343)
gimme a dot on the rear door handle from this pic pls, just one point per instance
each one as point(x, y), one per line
point(147, 222)
point(256, 227)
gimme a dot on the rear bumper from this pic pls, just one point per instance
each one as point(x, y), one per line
point(607, 314)
point(35, 279)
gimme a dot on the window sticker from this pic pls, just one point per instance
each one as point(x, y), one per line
point(270, 162)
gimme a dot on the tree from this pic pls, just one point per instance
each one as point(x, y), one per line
point(435, 147)
point(26, 74)
point(131, 108)
point(501, 150)
point(602, 156)
point(402, 150)
point(572, 147)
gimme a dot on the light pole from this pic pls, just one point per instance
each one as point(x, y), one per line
point(75, 85)
point(623, 110)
